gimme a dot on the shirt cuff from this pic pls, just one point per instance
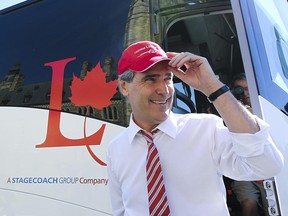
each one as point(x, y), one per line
point(249, 145)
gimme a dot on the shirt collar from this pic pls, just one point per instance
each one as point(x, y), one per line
point(168, 127)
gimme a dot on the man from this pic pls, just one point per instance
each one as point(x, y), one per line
point(250, 194)
point(240, 90)
point(195, 150)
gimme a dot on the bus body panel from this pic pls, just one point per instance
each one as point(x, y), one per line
point(67, 178)
point(278, 122)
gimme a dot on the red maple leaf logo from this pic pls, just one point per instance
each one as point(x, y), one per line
point(95, 92)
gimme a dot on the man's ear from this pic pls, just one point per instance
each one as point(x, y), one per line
point(124, 87)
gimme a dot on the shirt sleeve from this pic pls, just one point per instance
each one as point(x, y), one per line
point(248, 145)
point(250, 156)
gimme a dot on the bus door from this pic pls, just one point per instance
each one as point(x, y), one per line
point(207, 29)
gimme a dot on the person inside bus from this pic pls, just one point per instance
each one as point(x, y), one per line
point(171, 164)
point(240, 90)
point(250, 194)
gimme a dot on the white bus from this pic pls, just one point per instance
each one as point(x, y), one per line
point(59, 102)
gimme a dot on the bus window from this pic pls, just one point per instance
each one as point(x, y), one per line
point(37, 33)
point(273, 27)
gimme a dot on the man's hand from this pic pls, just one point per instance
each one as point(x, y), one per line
point(200, 76)
point(198, 73)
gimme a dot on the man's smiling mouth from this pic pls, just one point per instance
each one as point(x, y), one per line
point(160, 102)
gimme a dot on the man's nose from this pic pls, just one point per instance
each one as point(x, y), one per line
point(246, 92)
point(162, 88)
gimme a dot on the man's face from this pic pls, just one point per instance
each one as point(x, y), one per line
point(151, 95)
point(245, 98)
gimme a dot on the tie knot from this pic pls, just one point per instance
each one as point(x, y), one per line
point(149, 135)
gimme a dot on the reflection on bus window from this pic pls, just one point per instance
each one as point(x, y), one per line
point(282, 49)
point(6, 4)
point(272, 25)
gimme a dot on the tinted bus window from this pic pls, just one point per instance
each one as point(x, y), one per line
point(86, 33)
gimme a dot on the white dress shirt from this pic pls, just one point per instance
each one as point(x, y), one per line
point(195, 151)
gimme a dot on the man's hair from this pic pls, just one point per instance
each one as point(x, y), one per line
point(240, 76)
point(127, 76)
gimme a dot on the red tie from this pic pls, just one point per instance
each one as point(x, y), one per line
point(158, 204)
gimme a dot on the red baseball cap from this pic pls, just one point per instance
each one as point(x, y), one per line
point(140, 56)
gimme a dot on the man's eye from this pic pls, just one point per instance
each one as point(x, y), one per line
point(149, 79)
point(169, 78)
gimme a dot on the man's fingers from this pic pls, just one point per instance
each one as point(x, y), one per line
point(171, 54)
point(184, 58)
point(177, 72)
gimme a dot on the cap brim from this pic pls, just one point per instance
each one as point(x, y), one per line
point(141, 67)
